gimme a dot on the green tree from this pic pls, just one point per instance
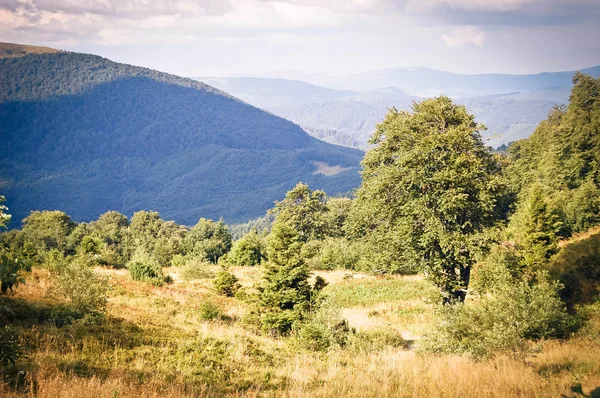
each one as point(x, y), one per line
point(429, 189)
point(286, 296)
point(47, 230)
point(208, 239)
point(249, 250)
point(536, 227)
point(303, 210)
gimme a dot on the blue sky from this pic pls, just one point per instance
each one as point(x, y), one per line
point(226, 37)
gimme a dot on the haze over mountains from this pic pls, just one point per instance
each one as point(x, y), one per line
point(345, 109)
point(84, 135)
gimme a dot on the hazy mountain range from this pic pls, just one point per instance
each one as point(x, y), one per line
point(83, 134)
point(348, 117)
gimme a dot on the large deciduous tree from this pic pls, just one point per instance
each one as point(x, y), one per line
point(430, 188)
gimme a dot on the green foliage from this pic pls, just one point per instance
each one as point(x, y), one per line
point(430, 188)
point(209, 311)
point(285, 294)
point(47, 230)
point(208, 239)
point(159, 238)
point(577, 267)
point(11, 268)
point(10, 346)
point(338, 210)
point(323, 330)
point(511, 307)
point(195, 268)
point(85, 291)
point(339, 253)
point(130, 138)
point(226, 283)
point(4, 218)
point(144, 268)
point(262, 225)
point(249, 250)
point(563, 155)
point(536, 228)
point(303, 210)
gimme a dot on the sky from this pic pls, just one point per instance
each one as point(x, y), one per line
point(251, 37)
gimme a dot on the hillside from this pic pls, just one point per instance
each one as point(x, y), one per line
point(349, 118)
point(84, 134)
point(12, 50)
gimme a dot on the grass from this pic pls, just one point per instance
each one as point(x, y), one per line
point(167, 342)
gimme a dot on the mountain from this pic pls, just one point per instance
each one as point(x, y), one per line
point(84, 135)
point(427, 82)
point(349, 117)
point(265, 93)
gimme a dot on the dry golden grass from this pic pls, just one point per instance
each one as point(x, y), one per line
point(155, 344)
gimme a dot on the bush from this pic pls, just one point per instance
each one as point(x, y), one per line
point(85, 290)
point(10, 346)
point(322, 331)
point(195, 268)
point(249, 250)
point(210, 311)
point(503, 319)
point(226, 283)
point(146, 272)
point(10, 272)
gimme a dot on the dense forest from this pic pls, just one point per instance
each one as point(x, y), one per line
point(448, 259)
point(86, 135)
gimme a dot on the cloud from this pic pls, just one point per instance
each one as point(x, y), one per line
point(461, 36)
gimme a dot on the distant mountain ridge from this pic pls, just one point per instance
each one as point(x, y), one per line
point(427, 82)
point(349, 117)
point(84, 135)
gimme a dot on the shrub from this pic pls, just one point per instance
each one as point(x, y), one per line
point(503, 319)
point(226, 283)
point(210, 311)
point(249, 250)
point(10, 272)
point(195, 268)
point(322, 331)
point(85, 290)
point(146, 272)
point(10, 346)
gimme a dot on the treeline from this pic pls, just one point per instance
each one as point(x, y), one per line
point(483, 227)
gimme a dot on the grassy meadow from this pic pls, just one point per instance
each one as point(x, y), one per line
point(183, 340)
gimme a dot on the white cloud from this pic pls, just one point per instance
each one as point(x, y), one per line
point(461, 36)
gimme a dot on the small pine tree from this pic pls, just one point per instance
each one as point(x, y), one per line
point(285, 295)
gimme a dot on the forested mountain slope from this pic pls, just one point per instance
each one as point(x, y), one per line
point(84, 134)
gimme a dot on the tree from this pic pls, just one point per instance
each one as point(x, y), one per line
point(429, 189)
point(249, 250)
point(4, 218)
point(285, 294)
point(536, 227)
point(208, 239)
point(47, 230)
point(303, 210)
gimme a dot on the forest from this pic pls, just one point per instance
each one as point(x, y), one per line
point(88, 135)
point(452, 270)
